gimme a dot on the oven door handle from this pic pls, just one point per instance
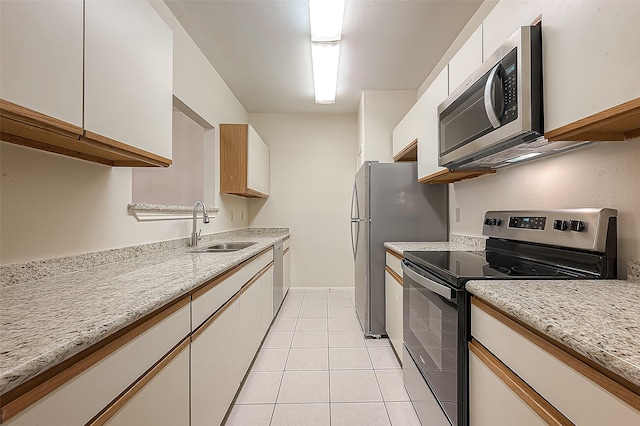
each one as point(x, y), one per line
point(439, 289)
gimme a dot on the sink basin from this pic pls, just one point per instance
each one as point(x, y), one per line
point(224, 247)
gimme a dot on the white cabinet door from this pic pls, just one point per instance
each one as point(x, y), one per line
point(215, 367)
point(286, 273)
point(398, 139)
point(393, 311)
point(164, 400)
point(505, 19)
point(591, 58)
point(492, 403)
point(258, 163)
point(41, 57)
point(128, 74)
point(266, 301)
point(466, 60)
point(428, 126)
point(250, 336)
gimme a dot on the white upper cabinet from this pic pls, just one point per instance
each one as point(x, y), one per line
point(583, 42)
point(258, 168)
point(466, 61)
point(405, 136)
point(591, 58)
point(41, 57)
point(128, 74)
point(428, 125)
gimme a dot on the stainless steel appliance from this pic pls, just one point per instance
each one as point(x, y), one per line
point(388, 204)
point(553, 244)
point(495, 117)
point(278, 272)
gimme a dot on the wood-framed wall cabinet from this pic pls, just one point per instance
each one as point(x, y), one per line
point(244, 162)
point(90, 79)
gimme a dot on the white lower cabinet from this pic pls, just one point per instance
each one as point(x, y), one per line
point(215, 366)
point(164, 400)
point(552, 378)
point(286, 266)
point(250, 335)
point(393, 301)
point(266, 301)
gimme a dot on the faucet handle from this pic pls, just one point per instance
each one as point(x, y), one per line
point(199, 232)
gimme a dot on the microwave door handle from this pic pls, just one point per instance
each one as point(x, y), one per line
point(494, 118)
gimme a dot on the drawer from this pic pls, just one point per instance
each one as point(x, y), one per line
point(210, 298)
point(285, 244)
point(394, 262)
point(568, 388)
point(100, 377)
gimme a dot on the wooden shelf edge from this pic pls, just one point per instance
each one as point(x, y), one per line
point(408, 153)
point(450, 176)
point(25, 127)
point(618, 123)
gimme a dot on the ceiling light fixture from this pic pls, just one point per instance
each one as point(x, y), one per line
point(326, 31)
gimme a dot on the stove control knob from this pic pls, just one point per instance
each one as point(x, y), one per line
point(487, 221)
point(560, 225)
point(497, 221)
point(577, 225)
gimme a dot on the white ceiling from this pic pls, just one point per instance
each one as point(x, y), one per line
point(261, 48)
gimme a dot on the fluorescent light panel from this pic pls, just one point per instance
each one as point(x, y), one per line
point(326, 19)
point(325, 58)
point(524, 157)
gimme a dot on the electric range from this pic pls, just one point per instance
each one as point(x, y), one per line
point(533, 244)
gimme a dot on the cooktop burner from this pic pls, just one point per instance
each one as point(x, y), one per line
point(460, 266)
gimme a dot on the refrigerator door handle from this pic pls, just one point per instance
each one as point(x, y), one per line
point(354, 243)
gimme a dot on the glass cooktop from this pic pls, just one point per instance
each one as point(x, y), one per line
point(461, 266)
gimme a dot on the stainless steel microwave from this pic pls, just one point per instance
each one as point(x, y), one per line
point(496, 109)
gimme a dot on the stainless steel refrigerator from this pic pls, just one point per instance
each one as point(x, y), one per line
point(389, 204)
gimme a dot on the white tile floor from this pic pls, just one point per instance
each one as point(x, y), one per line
point(316, 368)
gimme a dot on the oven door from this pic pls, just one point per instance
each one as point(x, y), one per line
point(434, 328)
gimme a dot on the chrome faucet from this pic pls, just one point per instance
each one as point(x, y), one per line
point(195, 236)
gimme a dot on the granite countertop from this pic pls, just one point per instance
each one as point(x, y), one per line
point(458, 242)
point(46, 321)
point(599, 319)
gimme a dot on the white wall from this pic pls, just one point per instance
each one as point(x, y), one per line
point(605, 174)
point(57, 206)
point(312, 172)
point(379, 113)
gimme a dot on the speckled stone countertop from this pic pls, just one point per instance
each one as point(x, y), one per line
point(599, 319)
point(46, 321)
point(458, 242)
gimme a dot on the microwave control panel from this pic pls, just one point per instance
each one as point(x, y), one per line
point(510, 86)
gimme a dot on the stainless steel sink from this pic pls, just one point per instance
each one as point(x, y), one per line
point(224, 247)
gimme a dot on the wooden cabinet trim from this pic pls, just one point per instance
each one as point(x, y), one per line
point(28, 393)
point(394, 254)
point(135, 154)
point(525, 392)
point(450, 176)
point(408, 153)
point(393, 273)
point(618, 123)
point(286, 251)
point(23, 126)
point(122, 399)
point(611, 382)
point(255, 194)
point(203, 288)
point(30, 117)
point(255, 278)
point(234, 156)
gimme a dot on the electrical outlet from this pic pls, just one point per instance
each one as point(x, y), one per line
point(231, 215)
point(457, 214)
point(241, 214)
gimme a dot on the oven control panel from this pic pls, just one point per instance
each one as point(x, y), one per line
point(576, 228)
